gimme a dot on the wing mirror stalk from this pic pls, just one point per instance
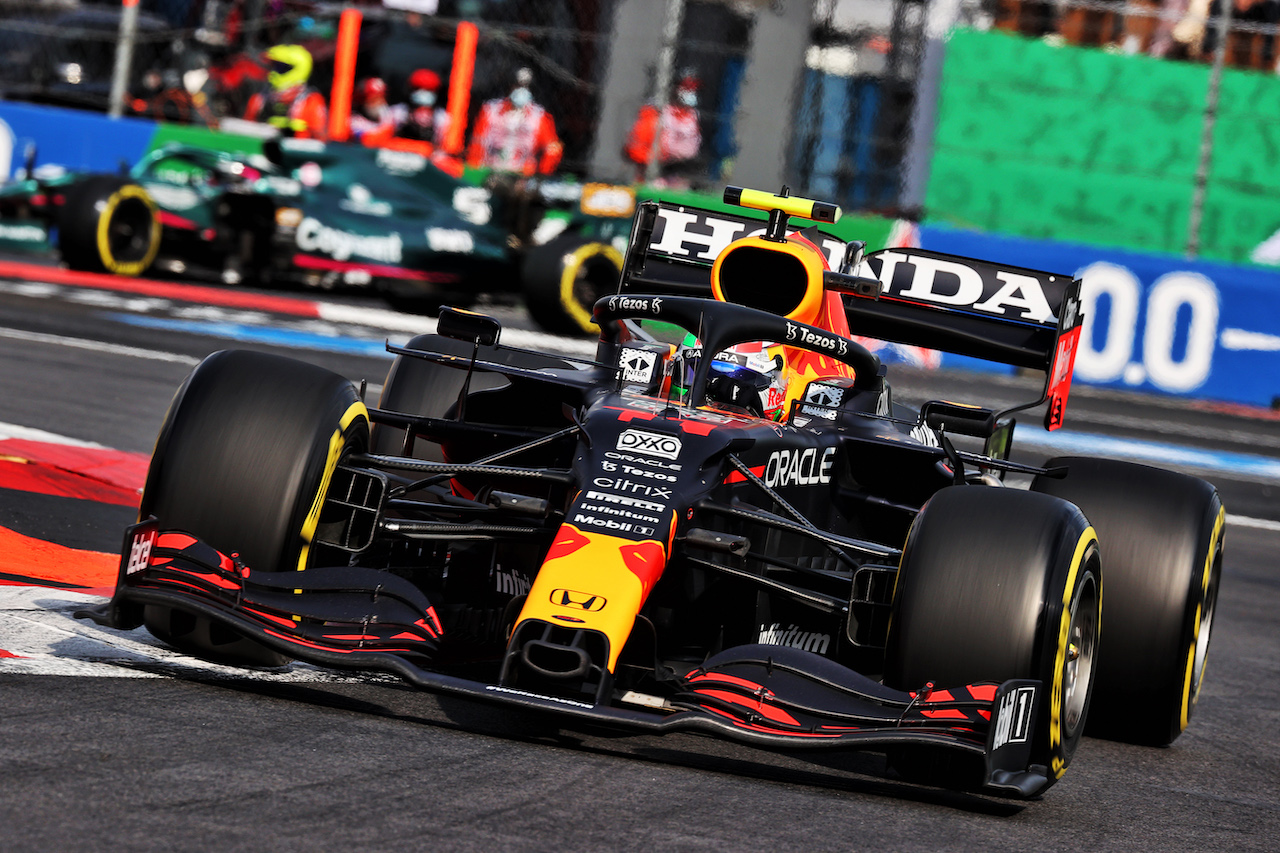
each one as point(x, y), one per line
point(479, 330)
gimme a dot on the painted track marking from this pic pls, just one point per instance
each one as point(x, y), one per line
point(43, 637)
point(1257, 523)
point(1246, 466)
point(97, 346)
point(45, 282)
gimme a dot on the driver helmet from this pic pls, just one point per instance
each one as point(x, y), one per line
point(290, 66)
point(753, 368)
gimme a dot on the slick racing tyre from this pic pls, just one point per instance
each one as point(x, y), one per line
point(997, 584)
point(243, 461)
point(563, 279)
point(1161, 537)
point(415, 386)
point(109, 224)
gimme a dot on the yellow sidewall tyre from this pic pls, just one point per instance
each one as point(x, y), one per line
point(996, 584)
point(1161, 535)
point(563, 279)
point(243, 461)
point(109, 224)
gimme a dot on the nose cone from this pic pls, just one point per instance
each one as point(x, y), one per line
point(594, 580)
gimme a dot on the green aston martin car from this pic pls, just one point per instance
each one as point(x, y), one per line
point(332, 214)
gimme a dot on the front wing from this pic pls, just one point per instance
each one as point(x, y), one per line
point(767, 696)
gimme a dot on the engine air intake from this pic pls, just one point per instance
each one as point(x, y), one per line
point(783, 278)
point(764, 279)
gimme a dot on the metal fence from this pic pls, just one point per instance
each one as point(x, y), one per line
point(1171, 29)
point(853, 117)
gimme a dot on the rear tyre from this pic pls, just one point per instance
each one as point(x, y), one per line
point(563, 279)
point(415, 386)
point(997, 584)
point(243, 461)
point(1161, 535)
point(109, 224)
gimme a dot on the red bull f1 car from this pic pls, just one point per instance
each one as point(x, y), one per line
point(724, 523)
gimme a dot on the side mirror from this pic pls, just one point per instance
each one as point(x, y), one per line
point(853, 252)
point(1000, 442)
point(479, 329)
point(958, 418)
point(854, 285)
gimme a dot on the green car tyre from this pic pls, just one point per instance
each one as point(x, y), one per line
point(109, 224)
point(564, 278)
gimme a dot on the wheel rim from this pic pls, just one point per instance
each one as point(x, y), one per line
point(129, 234)
point(585, 291)
point(1082, 637)
point(588, 273)
point(1206, 626)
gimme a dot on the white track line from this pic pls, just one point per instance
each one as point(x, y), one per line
point(37, 626)
point(97, 346)
point(1259, 523)
point(386, 320)
point(1243, 466)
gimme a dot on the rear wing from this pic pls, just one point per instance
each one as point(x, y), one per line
point(997, 312)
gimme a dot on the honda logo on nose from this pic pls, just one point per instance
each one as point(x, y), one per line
point(649, 443)
point(580, 600)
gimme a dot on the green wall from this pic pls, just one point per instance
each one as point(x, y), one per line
point(1079, 145)
point(204, 138)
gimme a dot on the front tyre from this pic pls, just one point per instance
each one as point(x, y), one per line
point(563, 279)
point(243, 461)
point(997, 584)
point(1161, 535)
point(109, 224)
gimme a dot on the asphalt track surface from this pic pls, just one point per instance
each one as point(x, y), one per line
point(108, 741)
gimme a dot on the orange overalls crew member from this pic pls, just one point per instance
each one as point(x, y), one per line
point(290, 104)
point(681, 138)
point(423, 118)
point(373, 122)
point(515, 134)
